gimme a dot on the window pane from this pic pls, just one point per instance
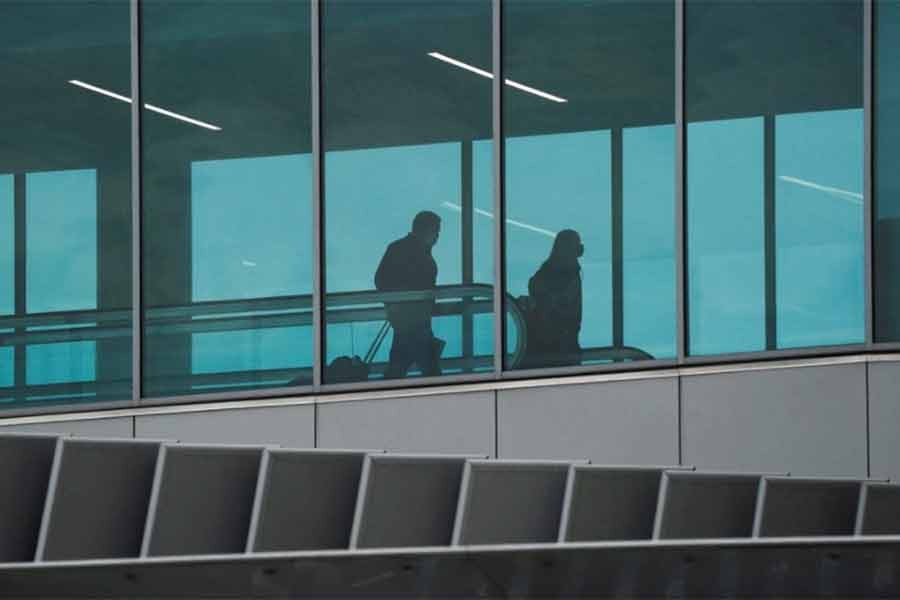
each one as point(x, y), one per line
point(590, 163)
point(65, 202)
point(61, 222)
point(774, 174)
point(886, 264)
point(7, 246)
point(725, 236)
point(406, 133)
point(819, 228)
point(227, 196)
point(649, 239)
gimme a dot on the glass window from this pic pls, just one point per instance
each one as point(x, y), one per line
point(408, 248)
point(820, 286)
point(648, 239)
point(775, 253)
point(726, 278)
point(886, 137)
point(65, 202)
point(7, 246)
point(590, 146)
point(61, 241)
point(227, 195)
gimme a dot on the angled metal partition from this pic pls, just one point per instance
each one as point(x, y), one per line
point(202, 500)
point(25, 464)
point(802, 506)
point(98, 497)
point(305, 500)
point(610, 503)
point(706, 505)
point(510, 502)
point(879, 509)
point(407, 500)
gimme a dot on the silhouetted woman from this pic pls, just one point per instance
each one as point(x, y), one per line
point(554, 320)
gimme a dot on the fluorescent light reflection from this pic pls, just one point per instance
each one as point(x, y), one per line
point(852, 197)
point(514, 223)
point(514, 84)
point(151, 107)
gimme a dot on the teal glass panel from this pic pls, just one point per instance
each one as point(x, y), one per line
point(726, 266)
point(61, 363)
point(7, 372)
point(648, 233)
point(819, 228)
point(7, 278)
point(7, 246)
point(65, 202)
point(541, 202)
point(773, 100)
point(589, 190)
point(227, 196)
point(886, 149)
point(407, 207)
point(61, 221)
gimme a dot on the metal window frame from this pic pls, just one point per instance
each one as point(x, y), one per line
point(311, 393)
point(681, 290)
point(868, 169)
point(137, 301)
point(499, 176)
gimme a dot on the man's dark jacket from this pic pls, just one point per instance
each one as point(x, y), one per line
point(407, 264)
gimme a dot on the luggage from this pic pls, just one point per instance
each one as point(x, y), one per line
point(347, 369)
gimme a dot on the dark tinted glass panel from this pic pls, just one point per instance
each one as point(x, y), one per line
point(227, 214)
point(887, 176)
point(590, 171)
point(65, 202)
point(774, 175)
point(407, 124)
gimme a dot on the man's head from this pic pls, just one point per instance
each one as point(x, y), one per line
point(427, 227)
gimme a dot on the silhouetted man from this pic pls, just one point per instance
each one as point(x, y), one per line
point(407, 265)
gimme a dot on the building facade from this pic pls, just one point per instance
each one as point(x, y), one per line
point(195, 198)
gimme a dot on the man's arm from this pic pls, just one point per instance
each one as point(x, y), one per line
point(385, 269)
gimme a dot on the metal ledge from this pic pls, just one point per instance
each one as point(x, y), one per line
point(435, 387)
point(775, 567)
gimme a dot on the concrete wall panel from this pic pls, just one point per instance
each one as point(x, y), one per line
point(120, 427)
point(622, 422)
point(452, 423)
point(884, 419)
point(808, 421)
point(289, 426)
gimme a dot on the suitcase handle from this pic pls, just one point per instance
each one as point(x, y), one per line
point(376, 343)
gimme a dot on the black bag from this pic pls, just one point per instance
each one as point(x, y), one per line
point(346, 369)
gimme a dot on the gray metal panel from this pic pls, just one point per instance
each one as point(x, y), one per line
point(25, 462)
point(884, 414)
point(809, 420)
point(118, 427)
point(505, 502)
point(706, 505)
point(623, 422)
point(806, 507)
point(796, 568)
point(407, 501)
point(284, 425)
point(879, 509)
point(98, 506)
point(203, 500)
point(450, 423)
point(307, 500)
point(610, 503)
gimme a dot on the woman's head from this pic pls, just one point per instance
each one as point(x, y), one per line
point(567, 246)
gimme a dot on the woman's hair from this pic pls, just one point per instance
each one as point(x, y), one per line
point(566, 247)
